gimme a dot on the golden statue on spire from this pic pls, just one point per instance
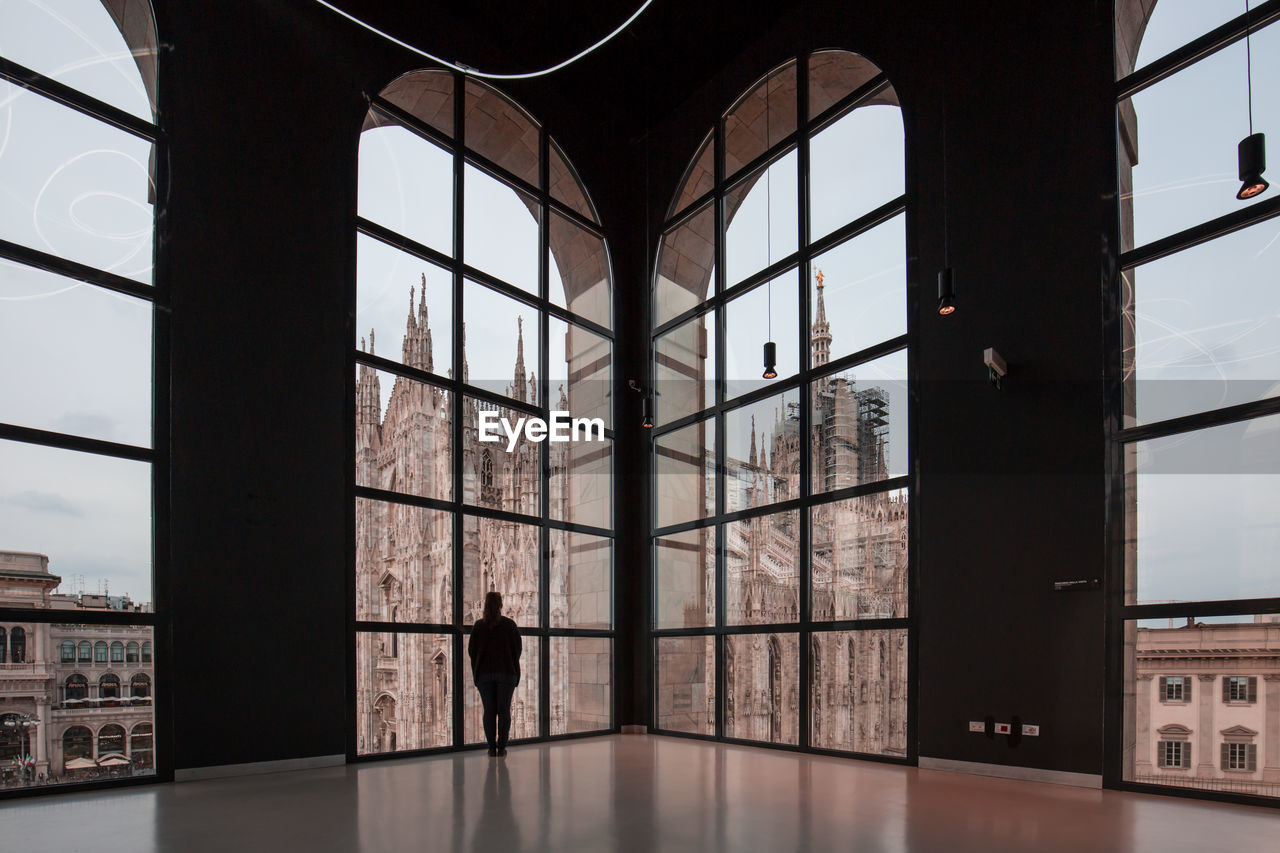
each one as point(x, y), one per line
point(821, 277)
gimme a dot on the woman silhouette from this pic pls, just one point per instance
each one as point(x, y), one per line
point(494, 650)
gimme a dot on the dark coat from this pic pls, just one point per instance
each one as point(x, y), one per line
point(495, 650)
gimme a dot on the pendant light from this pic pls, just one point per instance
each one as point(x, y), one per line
point(770, 348)
point(946, 278)
point(1252, 151)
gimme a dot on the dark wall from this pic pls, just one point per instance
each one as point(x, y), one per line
point(262, 101)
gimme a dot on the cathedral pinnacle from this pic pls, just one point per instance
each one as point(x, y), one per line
point(518, 387)
point(821, 352)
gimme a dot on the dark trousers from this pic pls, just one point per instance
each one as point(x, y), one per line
point(495, 695)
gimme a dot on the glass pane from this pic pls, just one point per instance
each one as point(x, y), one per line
point(858, 701)
point(1203, 514)
point(762, 687)
point(1172, 24)
point(699, 179)
point(581, 580)
point(685, 462)
point(502, 556)
point(426, 95)
point(685, 369)
point(500, 131)
point(79, 357)
point(582, 482)
point(579, 271)
point(762, 453)
point(762, 569)
point(687, 684)
point(1185, 135)
point(524, 702)
point(761, 119)
point(566, 188)
point(404, 563)
point(403, 435)
point(496, 357)
point(406, 184)
point(404, 691)
point(760, 219)
point(834, 74)
point(864, 292)
point(859, 557)
point(422, 335)
point(859, 421)
point(769, 312)
point(501, 230)
point(686, 582)
point(580, 371)
point(81, 45)
point(110, 710)
point(1199, 700)
point(581, 684)
point(74, 186)
point(686, 266)
point(1207, 326)
point(856, 164)
point(499, 471)
point(87, 517)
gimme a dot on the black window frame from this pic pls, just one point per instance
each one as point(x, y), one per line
point(465, 276)
point(721, 292)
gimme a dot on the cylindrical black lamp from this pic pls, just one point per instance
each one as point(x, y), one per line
point(1253, 162)
point(770, 360)
point(946, 292)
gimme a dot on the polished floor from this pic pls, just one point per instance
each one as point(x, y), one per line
point(626, 793)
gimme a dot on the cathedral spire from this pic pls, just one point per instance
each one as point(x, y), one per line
point(416, 349)
point(519, 388)
point(753, 458)
point(821, 337)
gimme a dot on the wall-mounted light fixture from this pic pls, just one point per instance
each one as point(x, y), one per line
point(1252, 151)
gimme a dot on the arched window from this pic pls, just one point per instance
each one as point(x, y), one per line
point(470, 216)
point(68, 651)
point(77, 742)
point(131, 652)
point(76, 687)
point(100, 652)
point(117, 652)
point(84, 653)
point(141, 747)
point(140, 686)
point(110, 741)
point(109, 687)
point(1193, 356)
point(4, 645)
point(789, 227)
point(146, 652)
point(17, 645)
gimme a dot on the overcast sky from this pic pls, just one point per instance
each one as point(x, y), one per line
point(1208, 326)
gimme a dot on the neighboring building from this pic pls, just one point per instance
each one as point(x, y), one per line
point(1208, 706)
point(404, 557)
point(75, 698)
point(858, 562)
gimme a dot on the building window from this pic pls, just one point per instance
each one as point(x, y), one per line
point(1175, 753)
point(1239, 756)
point(141, 747)
point(139, 686)
point(77, 687)
point(131, 653)
point(1175, 688)
point(83, 177)
point(755, 250)
point(146, 652)
point(109, 687)
point(117, 652)
point(1240, 688)
point(3, 645)
point(469, 213)
point(1192, 420)
point(110, 741)
point(17, 645)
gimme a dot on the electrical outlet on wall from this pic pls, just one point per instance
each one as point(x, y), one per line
point(977, 726)
point(1031, 731)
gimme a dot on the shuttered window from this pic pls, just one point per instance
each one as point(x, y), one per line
point(1240, 688)
point(1239, 756)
